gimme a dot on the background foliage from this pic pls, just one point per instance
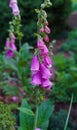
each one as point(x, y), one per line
point(57, 16)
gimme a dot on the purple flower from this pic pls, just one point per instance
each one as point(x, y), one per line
point(47, 61)
point(45, 73)
point(12, 2)
point(47, 29)
point(14, 6)
point(35, 64)
point(46, 38)
point(42, 30)
point(15, 98)
point(36, 78)
point(40, 44)
point(10, 46)
point(44, 51)
point(46, 83)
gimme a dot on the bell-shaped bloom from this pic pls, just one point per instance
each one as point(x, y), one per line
point(40, 44)
point(44, 51)
point(42, 30)
point(45, 72)
point(47, 29)
point(14, 6)
point(36, 79)
point(35, 64)
point(46, 38)
point(12, 2)
point(47, 61)
point(10, 47)
point(9, 54)
point(46, 83)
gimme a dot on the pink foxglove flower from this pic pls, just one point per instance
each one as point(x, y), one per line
point(14, 6)
point(45, 73)
point(44, 51)
point(47, 29)
point(35, 64)
point(40, 44)
point(47, 61)
point(46, 38)
point(42, 30)
point(36, 79)
point(46, 83)
point(10, 47)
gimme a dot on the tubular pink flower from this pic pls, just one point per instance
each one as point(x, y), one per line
point(46, 83)
point(46, 38)
point(36, 79)
point(12, 2)
point(47, 29)
point(10, 46)
point(40, 44)
point(47, 61)
point(35, 64)
point(14, 6)
point(44, 51)
point(7, 45)
point(9, 54)
point(45, 73)
point(42, 30)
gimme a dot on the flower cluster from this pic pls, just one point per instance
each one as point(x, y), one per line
point(13, 4)
point(10, 46)
point(10, 42)
point(41, 65)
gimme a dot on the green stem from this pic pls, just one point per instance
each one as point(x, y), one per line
point(36, 114)
point(70, 107)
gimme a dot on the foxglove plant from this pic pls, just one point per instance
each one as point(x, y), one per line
point(41, 60)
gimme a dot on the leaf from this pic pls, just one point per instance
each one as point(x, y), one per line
point(45, 110)
point(26, 121)
point(10, 63)
point(26, 111)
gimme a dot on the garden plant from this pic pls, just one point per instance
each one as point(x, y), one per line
point(32, 91)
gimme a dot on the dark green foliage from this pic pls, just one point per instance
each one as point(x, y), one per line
point(66, 70)
point(7, 121)
point(57, 122)
point(57, 15)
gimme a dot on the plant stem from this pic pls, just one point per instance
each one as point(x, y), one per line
point(36, 114)
point(69, 111)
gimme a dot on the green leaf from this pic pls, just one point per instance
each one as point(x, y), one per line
point(45, 110)
point(26, 121)
point(26, 111)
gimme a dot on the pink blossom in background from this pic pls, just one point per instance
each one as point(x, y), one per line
point(46, 38)
point(10, 47)
point(40, 44)
point(35, 64)
point(13, 4)
point(47, 29)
